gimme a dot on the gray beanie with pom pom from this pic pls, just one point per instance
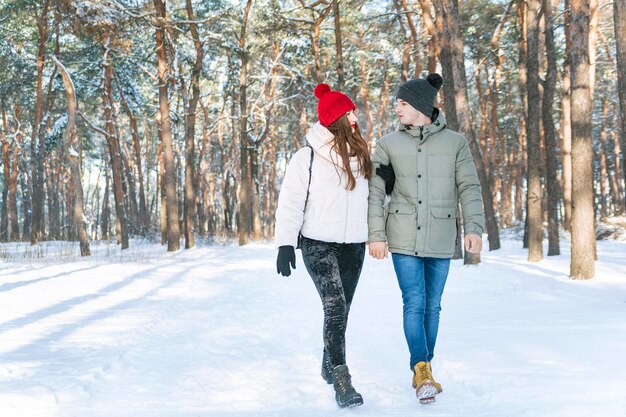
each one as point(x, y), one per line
point(420, 93)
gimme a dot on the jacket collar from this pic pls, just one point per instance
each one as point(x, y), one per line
point(422, 133)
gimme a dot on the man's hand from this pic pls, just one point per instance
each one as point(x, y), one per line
point(378, 250)
point(473, 243)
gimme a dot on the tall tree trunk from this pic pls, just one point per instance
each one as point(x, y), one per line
point(406, 52)
point(255, 196)
point(114, 148)
point(244, 165)
point(483, 138)
point(161, 197)
point(180, 185)
point(205, 179)
point(190, 133)
point(583, 237)
point(66, 221)
point(338, 45)
point(368, 135)
point(604, 198)
point(224, 179)
point(382, 104)
point(169, 174)
point(594, 17)
point(614, 174)
point(106, 208)
point(37, 143)
point(315, 37)
point(520, 205)
point(46, 164)
point(566, 121)
point(54, 185)
point(128, 184)
point(15, 161)
point(497, 170)
point(508, 156)
point(230, 185)
point(74, 148)
point(495, 156)
point(551, 143)
point(433, 43)
point(416, 48)
point(618, 195)
point(26, 186)
point(619, 20)
point(445, 57)
point(272, 184)
point(534, 191)
point(4, 214)
point(134, 132)
point(448, 11)
point(151, 165)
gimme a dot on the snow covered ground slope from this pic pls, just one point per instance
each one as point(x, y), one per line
point(214, 331)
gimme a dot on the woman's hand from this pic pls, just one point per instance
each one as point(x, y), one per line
point(286, 256)
point(386, 172)
point(378, 250)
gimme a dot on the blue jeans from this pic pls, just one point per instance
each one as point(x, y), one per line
point(421, 281)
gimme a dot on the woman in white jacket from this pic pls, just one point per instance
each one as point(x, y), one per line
point(324, 197)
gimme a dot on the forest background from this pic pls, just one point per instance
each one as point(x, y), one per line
point(127, 118)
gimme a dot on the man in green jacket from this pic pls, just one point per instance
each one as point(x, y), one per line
point(425, 167)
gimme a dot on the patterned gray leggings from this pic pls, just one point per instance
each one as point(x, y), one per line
point(335, 269)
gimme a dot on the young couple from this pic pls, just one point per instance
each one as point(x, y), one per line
point(331, 204)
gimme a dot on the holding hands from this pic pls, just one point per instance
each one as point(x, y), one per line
point(378, 250)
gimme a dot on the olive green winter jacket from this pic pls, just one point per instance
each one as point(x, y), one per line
point(433, 165)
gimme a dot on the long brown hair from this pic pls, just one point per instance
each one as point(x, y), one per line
point(344, 139)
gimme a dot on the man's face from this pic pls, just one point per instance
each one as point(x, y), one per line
point(408, 114)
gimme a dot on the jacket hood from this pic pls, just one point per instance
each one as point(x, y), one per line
point(320, 139)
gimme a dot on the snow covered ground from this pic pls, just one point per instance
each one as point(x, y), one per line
point(214, 331)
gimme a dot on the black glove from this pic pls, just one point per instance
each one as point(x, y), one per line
point(386, 172)
point(286, 256)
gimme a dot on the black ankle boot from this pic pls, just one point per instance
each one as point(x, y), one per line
point(345, 394)
point(327, 370)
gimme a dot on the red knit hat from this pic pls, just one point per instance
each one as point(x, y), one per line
point(332, 104)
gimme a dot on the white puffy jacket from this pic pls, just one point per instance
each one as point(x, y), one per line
point(333, 213)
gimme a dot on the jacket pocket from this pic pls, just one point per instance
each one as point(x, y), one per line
point(442, 229)
point(401, 226)
point(401, 208)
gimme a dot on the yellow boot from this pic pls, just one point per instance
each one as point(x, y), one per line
point(437, 384)
point(425, 388)
point(432, 378)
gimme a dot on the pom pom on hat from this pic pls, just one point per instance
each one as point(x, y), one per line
point(435, 80)
point(321, 89)
point(332, 104)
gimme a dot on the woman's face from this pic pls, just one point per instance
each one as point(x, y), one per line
point(352, 119)
point(408, 114)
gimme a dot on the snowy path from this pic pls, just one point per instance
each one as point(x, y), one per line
point(215, 332)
